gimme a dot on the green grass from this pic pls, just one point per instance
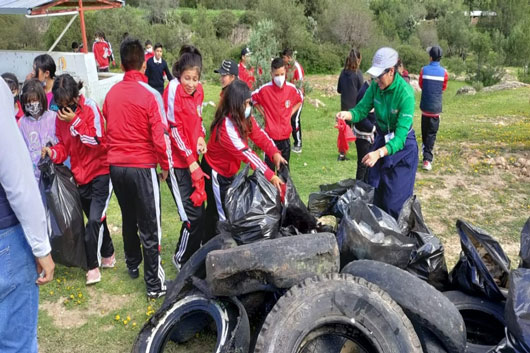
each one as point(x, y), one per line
point(462, 185)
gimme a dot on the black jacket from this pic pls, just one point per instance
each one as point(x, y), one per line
point(155, 74)
point(350, 83)
point(367, 124)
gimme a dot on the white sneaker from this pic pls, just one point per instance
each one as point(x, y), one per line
point(93, 276)
point(427, 165)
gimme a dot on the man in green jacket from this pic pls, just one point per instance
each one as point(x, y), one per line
point(394, 158)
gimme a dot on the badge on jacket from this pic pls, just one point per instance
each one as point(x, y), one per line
point(287, 103)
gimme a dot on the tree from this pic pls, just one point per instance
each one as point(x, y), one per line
point(348, 22)
point(398, 16)
point(265, 46)
point(518, 45)
point(290, 24)
point(454, 27)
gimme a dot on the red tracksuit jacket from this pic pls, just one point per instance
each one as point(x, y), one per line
point(278, 104)
point(226, 153)
point(83, 139)
point(246, 75)
point(102, 52)
point(298, 72)
point(136, 124)
point(184, 115)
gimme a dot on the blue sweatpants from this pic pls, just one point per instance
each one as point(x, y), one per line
point(393, 176)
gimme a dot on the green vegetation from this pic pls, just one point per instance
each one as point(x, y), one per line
point(321, 31)
point(463, 184)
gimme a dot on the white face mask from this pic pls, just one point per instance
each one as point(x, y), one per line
point(150, 50)
point(279, 80)
point(33, 109)
point(248, 110)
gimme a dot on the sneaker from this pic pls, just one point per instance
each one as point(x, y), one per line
point(156, 295)
point(427, 165)
point(297, 149)
point(175, 262)
point(134, 272)
point(342, 157)
point(108, 262)
point(93, 276)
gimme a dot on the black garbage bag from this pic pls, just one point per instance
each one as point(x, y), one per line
point(367, 232)
point(427, 261)
point(360, 190)
point(294, 212)
point(517, 309)
point(63, 203)
point(524, 253)
point(483, 266)
point(325, 202)
point(253, 207)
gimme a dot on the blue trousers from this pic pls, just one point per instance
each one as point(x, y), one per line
point(393, 176)
point(19, 295)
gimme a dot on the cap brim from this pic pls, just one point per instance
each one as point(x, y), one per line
point(375, 71)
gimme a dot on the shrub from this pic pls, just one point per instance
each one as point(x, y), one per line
point(477, 85)
point(249, 18)
point(320, 58)
point(265, 47)
point(414, 58)
point(224, 23)
point(454, 65)
point(186, 17)
point(523, 75)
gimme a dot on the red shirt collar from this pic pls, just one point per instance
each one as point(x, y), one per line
point(134, 75)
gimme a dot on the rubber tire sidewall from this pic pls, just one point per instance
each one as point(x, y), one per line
point(323, 300)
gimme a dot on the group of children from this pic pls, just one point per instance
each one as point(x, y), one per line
point(139, 130)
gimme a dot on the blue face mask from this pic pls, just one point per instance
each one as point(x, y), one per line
point(248, 110)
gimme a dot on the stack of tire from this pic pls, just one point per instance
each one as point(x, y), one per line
point(369, 307)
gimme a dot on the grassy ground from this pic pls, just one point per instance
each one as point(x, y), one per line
point(478, 176)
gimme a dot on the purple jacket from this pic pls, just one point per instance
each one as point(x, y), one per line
point(37, 133)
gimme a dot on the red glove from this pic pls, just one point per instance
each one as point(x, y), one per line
point(197, 181)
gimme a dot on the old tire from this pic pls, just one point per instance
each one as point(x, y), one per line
point(423, 304)
point(340, 305)
point(270, 264)
point(484, 320)
point(189, 316)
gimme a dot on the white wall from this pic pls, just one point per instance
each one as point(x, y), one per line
point(81, 66)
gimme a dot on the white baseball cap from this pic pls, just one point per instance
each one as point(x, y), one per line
point(384, 58)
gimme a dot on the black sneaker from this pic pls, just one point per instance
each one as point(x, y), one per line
point(134, 272)
point(342, 157)
point(156, 295)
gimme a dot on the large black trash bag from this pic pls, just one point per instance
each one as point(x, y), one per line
point(427, 261)
point(63, 202)
point(367, 232)
point(360, 190)
point(295, 213)
point(524, 253)
point(253, 207)
point(325, 202)
point(483, 266)
point(517, 310)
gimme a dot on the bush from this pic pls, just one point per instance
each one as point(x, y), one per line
point(414, 58)
point(523, 76)
point(454, 65)
point(186, 18)
point(477, 85)
point(224, 23)
point(320, 58)
point(249, 18)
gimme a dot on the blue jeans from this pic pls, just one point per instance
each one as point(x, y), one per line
point(19, 295)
